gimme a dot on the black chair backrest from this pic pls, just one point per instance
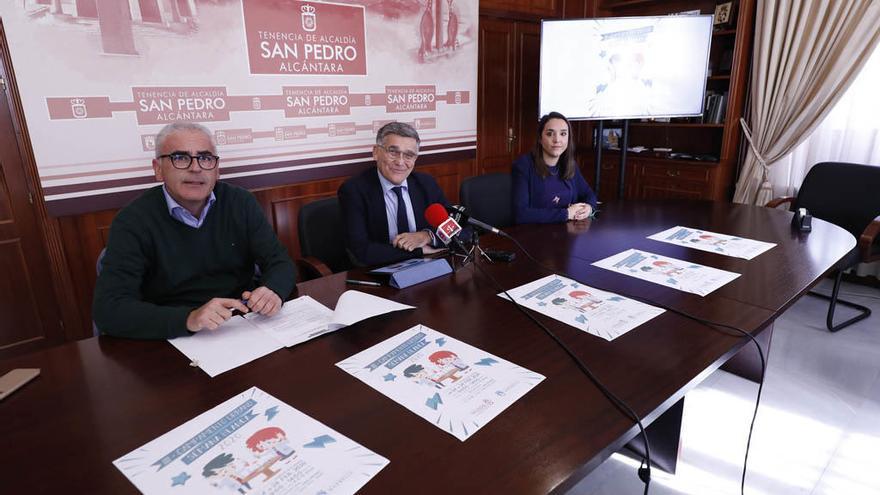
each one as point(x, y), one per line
point(845, 194)
point(321, 235)
point(487, 198)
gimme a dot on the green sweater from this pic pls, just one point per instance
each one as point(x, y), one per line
point(156, 270)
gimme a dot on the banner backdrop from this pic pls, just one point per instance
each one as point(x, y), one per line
point(292, 90)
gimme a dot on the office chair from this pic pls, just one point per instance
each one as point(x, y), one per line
point(847, 195)
point(321, 239)
point(488, 198)
point(99, 265)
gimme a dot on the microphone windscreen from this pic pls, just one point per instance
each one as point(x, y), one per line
point(435, 214)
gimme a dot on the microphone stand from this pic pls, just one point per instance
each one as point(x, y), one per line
point(476, 251)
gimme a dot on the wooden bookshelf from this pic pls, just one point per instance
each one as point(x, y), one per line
point(658, 177)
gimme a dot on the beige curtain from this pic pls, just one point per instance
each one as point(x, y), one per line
point(806, 54)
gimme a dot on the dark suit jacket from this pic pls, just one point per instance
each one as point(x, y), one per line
point(366, 224)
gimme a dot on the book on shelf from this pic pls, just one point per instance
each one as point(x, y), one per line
point(716, 107)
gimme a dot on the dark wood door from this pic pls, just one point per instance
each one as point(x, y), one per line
point(508, 91)
point(27, 300)
point(528, 40)
point(495, 111)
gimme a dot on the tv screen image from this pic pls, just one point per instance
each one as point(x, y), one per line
point(625, 67)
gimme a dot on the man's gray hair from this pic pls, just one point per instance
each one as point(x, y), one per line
point(181, 126)
point(398, 129)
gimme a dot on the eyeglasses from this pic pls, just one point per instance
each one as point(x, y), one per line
point(183, 161)
point(395, 154)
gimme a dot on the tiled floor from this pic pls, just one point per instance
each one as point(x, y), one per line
point(818, 427)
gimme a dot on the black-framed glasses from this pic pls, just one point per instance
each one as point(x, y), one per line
point(183, 161)
point(395, 153)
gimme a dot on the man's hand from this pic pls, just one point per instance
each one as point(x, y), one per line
point(409, 241)
point(213, 313)
point(262, 300)
point(428, 249)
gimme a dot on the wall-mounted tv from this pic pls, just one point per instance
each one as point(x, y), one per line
point(625, 67)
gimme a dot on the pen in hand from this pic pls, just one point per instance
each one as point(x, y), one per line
point(362, 282)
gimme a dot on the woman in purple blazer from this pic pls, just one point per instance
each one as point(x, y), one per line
point(547, 184)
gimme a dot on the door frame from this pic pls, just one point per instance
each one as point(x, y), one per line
point(68, 325)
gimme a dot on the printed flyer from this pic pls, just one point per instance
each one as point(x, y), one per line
point(603, 314)
point(713, 242)
point(455, 386)
point(252, 443)
point(678, 274)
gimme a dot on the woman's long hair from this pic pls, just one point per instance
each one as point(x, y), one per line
point(566, 161)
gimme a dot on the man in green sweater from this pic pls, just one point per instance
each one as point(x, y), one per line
point(180, 258)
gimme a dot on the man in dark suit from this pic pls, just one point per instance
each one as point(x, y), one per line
point(383, 208)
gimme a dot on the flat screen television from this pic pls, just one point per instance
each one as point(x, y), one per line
point(625, 67)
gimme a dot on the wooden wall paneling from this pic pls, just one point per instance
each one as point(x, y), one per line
point(535, 8)
point(284, 205)
point(449, 176)
point(578, 9)
point(84, 236)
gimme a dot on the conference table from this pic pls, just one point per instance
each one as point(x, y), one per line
point(100, 398)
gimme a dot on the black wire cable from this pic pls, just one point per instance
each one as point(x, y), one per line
point(644, 472)
point(686, 315)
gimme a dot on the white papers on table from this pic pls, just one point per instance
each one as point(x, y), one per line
point(457, 387)
point(603, 314)
point(252, 443)
point(678, 274)
point(304, 318)
point(241, 340)
point(713, 242)
point(235, 343)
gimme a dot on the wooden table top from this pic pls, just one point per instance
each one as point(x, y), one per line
point(100, 398)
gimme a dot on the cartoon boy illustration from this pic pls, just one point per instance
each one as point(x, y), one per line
point(228, 471)
point(449, 364)
point(420, 375)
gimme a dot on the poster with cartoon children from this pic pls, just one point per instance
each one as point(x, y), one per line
point(253, 443)
point(713, 242)
point(457, 387)
point(678, 274)
point(603, 314)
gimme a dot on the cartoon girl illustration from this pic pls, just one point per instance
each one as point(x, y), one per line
point(709, 239)
point(585, 300)
point(449, 364)
point(271, 440)
point(664, 267)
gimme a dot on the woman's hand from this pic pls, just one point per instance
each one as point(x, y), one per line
point(579, 211)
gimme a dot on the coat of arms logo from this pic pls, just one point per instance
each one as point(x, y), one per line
point(309, 20)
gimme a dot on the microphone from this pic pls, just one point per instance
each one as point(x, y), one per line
point(460, 213)
point(447, 229)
